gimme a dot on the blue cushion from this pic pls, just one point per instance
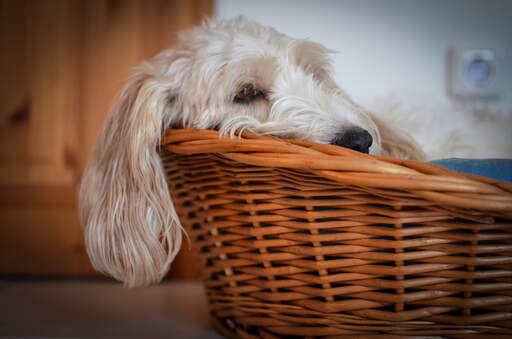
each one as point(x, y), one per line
point(499, 169)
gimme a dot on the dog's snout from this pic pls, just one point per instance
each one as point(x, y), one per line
point(356, 138)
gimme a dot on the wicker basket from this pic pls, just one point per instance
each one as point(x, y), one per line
point(302, 239)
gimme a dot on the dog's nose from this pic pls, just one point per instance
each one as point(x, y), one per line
point(355, 138)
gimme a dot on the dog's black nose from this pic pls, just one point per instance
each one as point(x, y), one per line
point(355, 138)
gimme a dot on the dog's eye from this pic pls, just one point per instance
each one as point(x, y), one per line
point(247, 94)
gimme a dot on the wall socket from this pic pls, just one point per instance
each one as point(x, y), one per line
point(476, 73)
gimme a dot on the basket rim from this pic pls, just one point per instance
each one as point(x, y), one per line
point(429, 181)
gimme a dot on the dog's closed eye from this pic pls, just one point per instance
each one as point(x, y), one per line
point(247, 94)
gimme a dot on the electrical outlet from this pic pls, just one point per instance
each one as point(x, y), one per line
point(476, 73)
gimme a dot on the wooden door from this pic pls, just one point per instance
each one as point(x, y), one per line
point(62, 63)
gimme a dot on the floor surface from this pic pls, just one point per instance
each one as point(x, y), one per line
point(102, 309)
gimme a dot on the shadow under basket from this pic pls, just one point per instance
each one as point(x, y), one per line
point(303, 239)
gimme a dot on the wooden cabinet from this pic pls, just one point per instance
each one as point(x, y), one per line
point(62, 63)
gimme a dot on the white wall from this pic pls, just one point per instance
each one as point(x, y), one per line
point(390, 46)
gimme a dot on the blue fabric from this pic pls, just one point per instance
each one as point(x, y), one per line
point(499, 169)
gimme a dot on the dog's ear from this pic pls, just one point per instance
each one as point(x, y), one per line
point(131, 229)
point(397, 144)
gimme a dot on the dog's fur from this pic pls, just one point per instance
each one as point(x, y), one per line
point(449, 129)
point(131, 230)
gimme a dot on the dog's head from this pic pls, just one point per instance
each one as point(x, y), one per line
point(236, 75)
point(233, 75)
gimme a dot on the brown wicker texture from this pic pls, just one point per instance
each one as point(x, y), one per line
point(302, 239)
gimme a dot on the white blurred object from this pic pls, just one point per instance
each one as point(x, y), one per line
point(448, 130)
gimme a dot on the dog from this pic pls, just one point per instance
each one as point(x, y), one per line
point(231, 75)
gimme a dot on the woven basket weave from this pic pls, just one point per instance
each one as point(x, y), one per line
point(302, 239)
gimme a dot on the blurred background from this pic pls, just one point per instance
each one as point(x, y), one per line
point(63, 61)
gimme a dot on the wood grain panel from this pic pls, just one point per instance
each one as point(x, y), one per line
point(45, 241)
point(39, 38)
point(14, 89)
point(63, 62)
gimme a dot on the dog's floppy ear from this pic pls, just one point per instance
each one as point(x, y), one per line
point(131, 229)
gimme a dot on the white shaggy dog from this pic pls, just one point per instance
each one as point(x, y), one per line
point(233, 75)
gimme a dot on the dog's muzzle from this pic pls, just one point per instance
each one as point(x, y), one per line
point(355, 138)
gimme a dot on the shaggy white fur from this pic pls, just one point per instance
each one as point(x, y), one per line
point(445, 130)
point(232, 75)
